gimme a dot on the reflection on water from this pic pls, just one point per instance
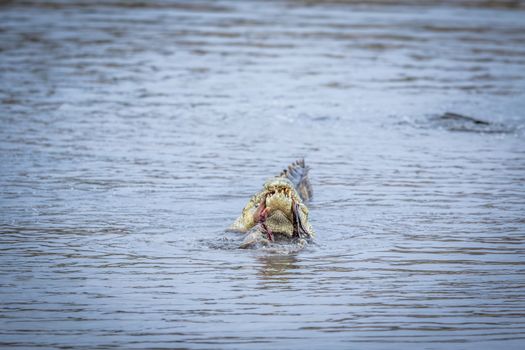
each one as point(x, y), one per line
point(134, 132)
point(277, 268)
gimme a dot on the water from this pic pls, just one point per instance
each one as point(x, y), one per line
point(132, 134)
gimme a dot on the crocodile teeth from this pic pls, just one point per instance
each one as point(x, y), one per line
point(281, 192)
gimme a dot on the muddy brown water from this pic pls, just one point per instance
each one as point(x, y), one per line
point(133, 133)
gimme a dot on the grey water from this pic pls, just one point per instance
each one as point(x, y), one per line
point(133, 133)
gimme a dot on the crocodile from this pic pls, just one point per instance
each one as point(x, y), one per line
point(277, 213)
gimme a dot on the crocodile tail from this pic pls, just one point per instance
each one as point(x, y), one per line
point(297, 173)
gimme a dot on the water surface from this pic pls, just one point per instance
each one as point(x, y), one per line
point(133, 133)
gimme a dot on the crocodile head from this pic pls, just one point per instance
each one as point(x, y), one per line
point(278, 208)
